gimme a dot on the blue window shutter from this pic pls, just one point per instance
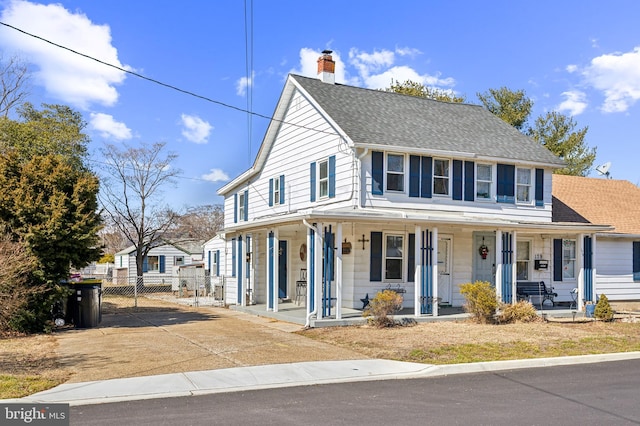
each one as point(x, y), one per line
point(233, 257)
point(312, 181)
point(209, 261)
point(411, 265)
point(281, 189)
point(271, 192)
point(557, 259)
point(427, 177)
point(235, 208)
point(145, 264)
point(414, 176)
point(636, 260)
point(506, 183)
point(375, 273)
point(469, 180)
point(162, 261)
point(377, 172)
point(246, 205)
point(218, 262)
point(332, 176)
point(457, 180)
point(539, 187)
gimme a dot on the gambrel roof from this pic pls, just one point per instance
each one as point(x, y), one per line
point(374, 117)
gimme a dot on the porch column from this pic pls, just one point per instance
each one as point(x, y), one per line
point(498, 262)
point(417, 273)
point(435, 272)
point(317, 259)
point(269, 270)
point(241, 300)
point(582, 296)
point(276, 262)
point(339, 271)
point(311, 275)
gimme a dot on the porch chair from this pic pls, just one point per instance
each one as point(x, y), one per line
point(301, 287)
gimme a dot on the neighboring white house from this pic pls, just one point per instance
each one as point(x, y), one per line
point(160, 266)
point(355, 190)
point(617, 252)
point(216, 266)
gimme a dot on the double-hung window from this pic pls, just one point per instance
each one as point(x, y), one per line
point(523, 260)
point(440, 177)
point(484, 181)
point(323, 178)
point(568, 259)
point(153, 263)
point(395, 172)
point(276, 190)
point(393, 257)
point(523, 186)
point(178, 260)
point(241, 205)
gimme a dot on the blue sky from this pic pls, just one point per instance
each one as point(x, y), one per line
point(581, 59)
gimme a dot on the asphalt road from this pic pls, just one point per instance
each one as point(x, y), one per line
point(589, 394)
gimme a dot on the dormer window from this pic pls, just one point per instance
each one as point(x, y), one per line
point(395, 172)
point(440, 176)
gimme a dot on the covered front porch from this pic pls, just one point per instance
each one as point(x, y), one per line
point(317, 270)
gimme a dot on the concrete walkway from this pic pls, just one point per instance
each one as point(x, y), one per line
point(280, 375)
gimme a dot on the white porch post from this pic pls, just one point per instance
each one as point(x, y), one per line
point(434, 237)
point(339, 271)
point(580, 269)
point(319, 242)
point(276, 263)
point(241, 261)
point(498, 262)
point(418, 271)
point(267, 269)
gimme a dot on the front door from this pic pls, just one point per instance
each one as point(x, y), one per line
point(282, 269)
point(444, 270)
point(484, 257)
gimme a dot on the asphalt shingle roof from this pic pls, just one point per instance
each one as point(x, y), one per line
point(598, 200)
point(392, 119)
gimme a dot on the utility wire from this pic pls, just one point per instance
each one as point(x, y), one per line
point(169, 86)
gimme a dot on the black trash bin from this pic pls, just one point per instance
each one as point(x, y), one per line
point(84, 306)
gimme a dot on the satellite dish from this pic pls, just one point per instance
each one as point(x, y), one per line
point(603, 169)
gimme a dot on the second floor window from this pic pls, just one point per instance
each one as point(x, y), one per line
point(323, 179)
point(523, 185)
point(484, 182)
point(395, 172)
point(241, 204)
point(276, 190)
point(440, 177)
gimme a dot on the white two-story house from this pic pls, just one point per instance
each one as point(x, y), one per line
point(356, 190)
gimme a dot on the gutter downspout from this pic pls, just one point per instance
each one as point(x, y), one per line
point(307, 323)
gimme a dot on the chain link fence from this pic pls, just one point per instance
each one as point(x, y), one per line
point(191, 287)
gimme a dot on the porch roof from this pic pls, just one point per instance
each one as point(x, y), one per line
point(370, 215)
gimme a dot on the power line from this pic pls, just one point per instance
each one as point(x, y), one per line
point(169, 86)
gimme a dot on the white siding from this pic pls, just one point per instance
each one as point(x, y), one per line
point(614, 269)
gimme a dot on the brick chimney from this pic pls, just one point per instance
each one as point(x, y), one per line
point(327, 67)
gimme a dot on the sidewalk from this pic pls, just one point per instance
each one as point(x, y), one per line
point(281, 375)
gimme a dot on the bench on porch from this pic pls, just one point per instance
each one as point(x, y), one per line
point(526, 289)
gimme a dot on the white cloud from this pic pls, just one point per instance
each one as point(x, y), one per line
point(243, 83)
point(195, 128)
point(108, 127)
point(216, 175)
point(575, 102)
point(617, 76)
point(368, 62)
point(571, 68)
point(69, 77)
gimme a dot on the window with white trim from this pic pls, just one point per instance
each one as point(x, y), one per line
point(523, 260)
point(178, 260)
point(323, 178)
point(393, 257)
point(440, 177)
point(395, 172)
point(568, 259)
point(276, 190)
point(241, 202)
point(153, 263)
point(523, 186)
point(484, 181)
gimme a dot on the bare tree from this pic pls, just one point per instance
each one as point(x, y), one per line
point(199, 222)
point(130, 196)
point(14, 79)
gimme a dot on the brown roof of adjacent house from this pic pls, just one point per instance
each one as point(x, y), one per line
point(598, 201)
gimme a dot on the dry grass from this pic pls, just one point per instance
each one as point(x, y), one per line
point(459, 342)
